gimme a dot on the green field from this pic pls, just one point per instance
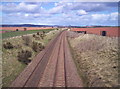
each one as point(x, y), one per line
point(19, 33)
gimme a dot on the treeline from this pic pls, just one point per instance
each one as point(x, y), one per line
point(25, 25)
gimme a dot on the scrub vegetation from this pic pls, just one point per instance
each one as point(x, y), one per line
point(18, 52)
point(96, 58)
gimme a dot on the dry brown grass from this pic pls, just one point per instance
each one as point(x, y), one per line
point(27, 40)
point(97, 59)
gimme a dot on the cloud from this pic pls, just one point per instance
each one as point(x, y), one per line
point(114, 16)
point(21, 7)
point(88, 19)
point(62, 13)
point(60, 7)
point(87, 6)
point(26, 7)
point(100, 17)
point(64, 19)
point(105, 17)
point(55, 10)
point(81, 12)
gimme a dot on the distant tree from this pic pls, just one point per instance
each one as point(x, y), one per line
point(25, 29)
point(17, 30)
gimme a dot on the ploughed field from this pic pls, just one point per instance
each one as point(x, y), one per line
point(110, 31)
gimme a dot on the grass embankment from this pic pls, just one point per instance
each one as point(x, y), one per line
point(11, 66)
point(19, 33)
point(96, 58)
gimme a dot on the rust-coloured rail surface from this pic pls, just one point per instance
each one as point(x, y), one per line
point(52, 67)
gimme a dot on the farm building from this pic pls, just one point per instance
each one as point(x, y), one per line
point(104, 31)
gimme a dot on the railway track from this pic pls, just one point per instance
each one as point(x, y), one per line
point(52, 67)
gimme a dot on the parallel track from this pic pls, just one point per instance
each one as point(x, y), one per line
point(53, 67)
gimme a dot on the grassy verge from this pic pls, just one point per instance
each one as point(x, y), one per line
point(11, 66)
point(96, 58)
point(19, 33)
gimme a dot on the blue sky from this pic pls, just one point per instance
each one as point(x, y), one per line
point(60, 13)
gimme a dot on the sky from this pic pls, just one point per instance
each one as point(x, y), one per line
point(60, 13)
